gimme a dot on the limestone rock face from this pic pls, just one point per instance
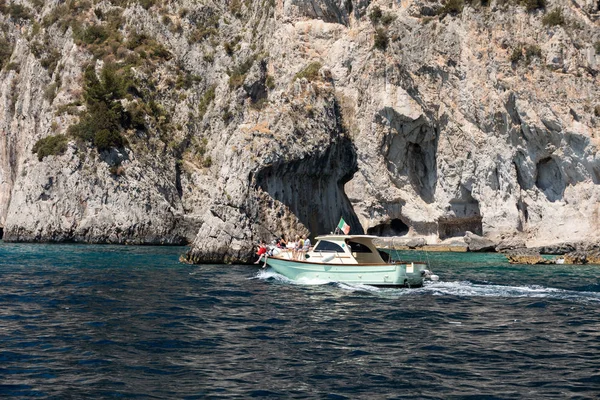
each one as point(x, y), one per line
point(87, 203)
point(478, 243)
point(256, 119)
point(326, 10)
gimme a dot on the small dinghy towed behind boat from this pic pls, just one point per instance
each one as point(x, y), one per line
point(350, 259)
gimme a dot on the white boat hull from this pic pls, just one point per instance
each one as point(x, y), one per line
point(401, 274)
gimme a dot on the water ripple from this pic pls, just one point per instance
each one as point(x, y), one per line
point(97, 322)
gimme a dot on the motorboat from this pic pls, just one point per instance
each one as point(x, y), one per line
point(350, 259)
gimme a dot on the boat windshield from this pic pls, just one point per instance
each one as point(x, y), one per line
point(327, 246)
point(358, 247)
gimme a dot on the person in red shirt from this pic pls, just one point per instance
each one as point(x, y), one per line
point(262, 251)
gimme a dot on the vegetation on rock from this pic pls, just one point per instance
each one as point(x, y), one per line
point(525, 52)
point(50, 145)
point(452, 7)
point(310, 72)
point(105, 117)
point(381, 39)
point(19, 12)
point(554, 18)
point(375, 15)
point(532, 5)
point(205, 101)
point(6, 50)
point(238, 74)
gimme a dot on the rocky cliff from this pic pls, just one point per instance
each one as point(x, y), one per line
point(220, 123)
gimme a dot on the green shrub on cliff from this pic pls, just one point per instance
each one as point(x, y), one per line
point(19, 12)
point(516, 54)
point(597, 47)
point(59, 14)
point(50, 60)
point(205, 101)
point(532, 5)
point(310, 72)
point(388, 18)
point(375, 15)
point(50, 145)
point(554, 18)
point(451, 7)
point(38, 4)
point(146, 3)
point(381, 40)
point(270, 82)
point(105, 117)
point(235, 8)
point(50, 92)
point(525, 52)
point(238, 74)
point(532, 51)
point(147, 47)
point(93, 34)
point(6, 50)
point(106, 139)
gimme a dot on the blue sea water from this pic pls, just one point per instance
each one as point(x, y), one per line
point(82, 321)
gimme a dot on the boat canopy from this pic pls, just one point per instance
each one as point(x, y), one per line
point(344, 237)
point(352, 248)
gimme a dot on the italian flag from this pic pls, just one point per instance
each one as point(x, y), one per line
point(343, 226)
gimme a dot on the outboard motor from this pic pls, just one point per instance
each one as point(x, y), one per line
point(427, 274)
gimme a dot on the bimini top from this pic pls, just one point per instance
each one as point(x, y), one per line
point(343, 237)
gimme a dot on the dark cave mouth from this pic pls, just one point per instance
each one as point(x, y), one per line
point(1, 232)
point(393, 228)
point(459, 227)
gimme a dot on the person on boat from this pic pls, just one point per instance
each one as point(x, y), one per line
point(298, 248)
point(262, 251)
point(307, 244)
point(304, 249)
point(282, 243)
point(291, 246)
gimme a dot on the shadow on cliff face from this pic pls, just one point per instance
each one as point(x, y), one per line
point(550, 180)
point(462, 215)
point(411, 148)
point(538, 165)
point(395, 227)
point(313, 188)
point(326, 10)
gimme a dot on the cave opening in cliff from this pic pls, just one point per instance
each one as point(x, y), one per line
point(421, 165)
point(312, 190)
point(393, 228)
point(549, 179)
point(448, 228)
point(1, 232)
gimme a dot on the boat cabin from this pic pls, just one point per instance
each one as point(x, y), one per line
point(345, 249)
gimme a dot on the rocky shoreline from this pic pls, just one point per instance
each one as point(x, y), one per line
point(516, 252)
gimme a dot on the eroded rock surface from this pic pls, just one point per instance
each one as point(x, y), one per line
point(267, 118)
